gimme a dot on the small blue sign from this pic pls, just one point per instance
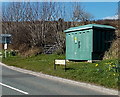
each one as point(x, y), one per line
point(5, 38)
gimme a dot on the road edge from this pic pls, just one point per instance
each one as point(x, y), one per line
point(68, 81)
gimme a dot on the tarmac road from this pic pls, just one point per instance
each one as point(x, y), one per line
point(17, 83)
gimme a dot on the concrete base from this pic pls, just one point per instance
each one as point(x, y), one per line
point(67, 61)
point(90, 61)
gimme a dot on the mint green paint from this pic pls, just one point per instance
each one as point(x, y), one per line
point(88, 26)
point(87, 42)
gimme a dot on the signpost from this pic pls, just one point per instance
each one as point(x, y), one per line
point(5, 39)
point(59, 62)
point(0, 55)
point(5, 48)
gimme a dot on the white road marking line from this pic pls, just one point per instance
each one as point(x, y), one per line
point(13, 88)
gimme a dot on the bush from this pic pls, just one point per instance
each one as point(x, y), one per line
point(113, 52)
point(32, 51)
point(14, 53)
point(59, 51)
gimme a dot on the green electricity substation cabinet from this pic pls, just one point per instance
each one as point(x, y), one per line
point(88, 42)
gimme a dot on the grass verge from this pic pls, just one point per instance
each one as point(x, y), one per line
point(103, 73)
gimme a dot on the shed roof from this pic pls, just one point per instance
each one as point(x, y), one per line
point(89, 26)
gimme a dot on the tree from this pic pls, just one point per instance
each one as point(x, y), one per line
point(79, 14)
point(42, 22)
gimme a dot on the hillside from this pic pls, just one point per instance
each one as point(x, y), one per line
point(31, 37)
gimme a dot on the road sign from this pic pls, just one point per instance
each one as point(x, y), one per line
point(5, 46)
point(59, 62)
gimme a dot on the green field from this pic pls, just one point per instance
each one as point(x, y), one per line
point(103, 73)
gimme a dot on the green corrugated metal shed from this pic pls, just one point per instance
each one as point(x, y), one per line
point(88, 42)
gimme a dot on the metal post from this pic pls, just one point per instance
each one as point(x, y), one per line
point(5, 47)
point(54, 65)
point(5, 53)
point(65, 65)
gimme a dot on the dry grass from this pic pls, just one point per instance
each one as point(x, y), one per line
point(31, 52)
point(114, 52)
